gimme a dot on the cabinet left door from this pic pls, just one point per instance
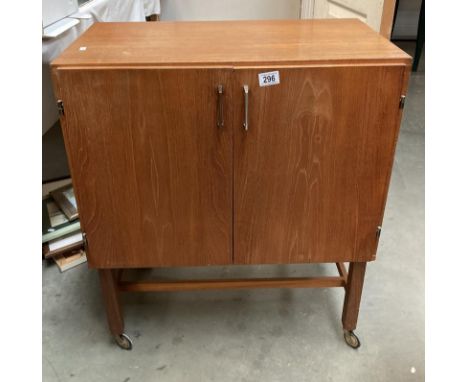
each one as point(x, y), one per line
point(152, 171)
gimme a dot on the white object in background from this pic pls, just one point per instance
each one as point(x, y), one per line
point(81, 15)
point(152, 7)
point(229, 9)
point(368, 11)
point(56, 29)
point(65, 242)
point(115, 11)
point(54, 10)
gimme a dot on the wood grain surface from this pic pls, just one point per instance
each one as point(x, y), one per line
point(152, 171)
point(159, 184)
point(183, 285)
point(312, 172)
point(386, 22)
point(111, 301)
point(353, 293)
point(231, 43)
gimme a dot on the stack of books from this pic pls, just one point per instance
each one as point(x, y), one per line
point(62, 239)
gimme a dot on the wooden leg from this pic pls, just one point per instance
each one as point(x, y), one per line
point(111, 301)
point(353, 295)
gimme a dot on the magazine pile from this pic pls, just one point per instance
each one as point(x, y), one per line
point(62, 240)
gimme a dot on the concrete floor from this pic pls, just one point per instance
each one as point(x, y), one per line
point(260, 335)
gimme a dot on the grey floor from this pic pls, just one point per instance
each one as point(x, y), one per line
point(260, 335)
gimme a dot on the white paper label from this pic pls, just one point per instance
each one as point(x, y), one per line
point(269, 78)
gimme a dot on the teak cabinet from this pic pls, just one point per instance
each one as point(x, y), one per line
point(179, 157)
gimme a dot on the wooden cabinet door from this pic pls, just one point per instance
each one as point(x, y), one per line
point(151, 170)
point(311, 173)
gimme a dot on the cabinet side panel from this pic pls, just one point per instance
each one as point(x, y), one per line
point(311, 173)
point(151, 169)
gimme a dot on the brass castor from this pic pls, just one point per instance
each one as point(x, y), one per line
point(351, 339)
point(123, 341)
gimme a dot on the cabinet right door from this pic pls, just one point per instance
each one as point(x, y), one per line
point(311, 172)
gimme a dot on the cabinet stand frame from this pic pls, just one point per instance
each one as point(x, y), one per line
point(352, 282)
point(171, 151)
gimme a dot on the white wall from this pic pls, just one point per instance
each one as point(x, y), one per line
point(229, 9)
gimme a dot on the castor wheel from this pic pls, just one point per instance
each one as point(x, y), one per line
point(123, 341)
point(351, 339)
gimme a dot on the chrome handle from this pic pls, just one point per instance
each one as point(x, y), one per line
point(246, 107)
point(220, 116)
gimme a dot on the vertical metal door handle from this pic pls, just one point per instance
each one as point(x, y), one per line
point(220, 116)
point(246, 107)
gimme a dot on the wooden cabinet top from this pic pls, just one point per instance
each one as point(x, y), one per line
point(231, 44)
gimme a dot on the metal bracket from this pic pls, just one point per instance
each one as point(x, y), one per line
point(60, 107)
point(220, 116)
point(85, 242)
point(377, 233)
point(402, 101)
